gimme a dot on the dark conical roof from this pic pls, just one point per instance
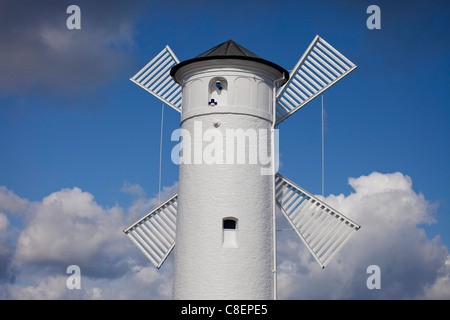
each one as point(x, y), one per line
point(229, 50)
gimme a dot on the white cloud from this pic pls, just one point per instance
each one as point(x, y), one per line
point(132, 189)
point(10, 202)
point(52, 287)
point(440, 289)
point(390, 213)
point(69, 227)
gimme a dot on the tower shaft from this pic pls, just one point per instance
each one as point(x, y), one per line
point(224, 247)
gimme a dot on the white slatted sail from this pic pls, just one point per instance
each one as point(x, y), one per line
point(319, 68)
point(154, 234)
point(155, 78)
point(323, 229)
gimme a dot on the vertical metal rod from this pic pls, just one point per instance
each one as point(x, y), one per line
point(323, 154)
point(274, 227)
point(160, 152)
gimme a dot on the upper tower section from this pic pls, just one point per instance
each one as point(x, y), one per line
point(228, 78)
point(229, 50)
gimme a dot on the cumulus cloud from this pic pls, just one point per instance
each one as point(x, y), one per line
point(391, 214)
point(440, 289)
point(69, 227)
point(132, 189)
point(9, 201)
point(140, 282)
point(13, 205)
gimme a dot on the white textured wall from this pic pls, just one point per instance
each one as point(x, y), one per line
point(208, 193)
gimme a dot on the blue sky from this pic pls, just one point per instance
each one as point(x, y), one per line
point(70, 118)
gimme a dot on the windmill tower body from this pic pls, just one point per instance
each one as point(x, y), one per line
point(221, 221)
point(225, 217)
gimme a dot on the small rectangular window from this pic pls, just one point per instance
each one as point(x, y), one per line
point(229, 233)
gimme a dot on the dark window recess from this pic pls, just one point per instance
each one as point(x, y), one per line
point(229, 224)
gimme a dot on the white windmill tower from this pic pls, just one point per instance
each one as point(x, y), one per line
point(222, 219)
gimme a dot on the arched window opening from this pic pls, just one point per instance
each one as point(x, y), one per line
point(217, 95)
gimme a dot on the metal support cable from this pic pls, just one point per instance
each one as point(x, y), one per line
point(160, 152)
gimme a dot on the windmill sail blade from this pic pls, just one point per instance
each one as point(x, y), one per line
point(323, 229)
point(319, 68)
point(154, 234)
point(155, 78)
